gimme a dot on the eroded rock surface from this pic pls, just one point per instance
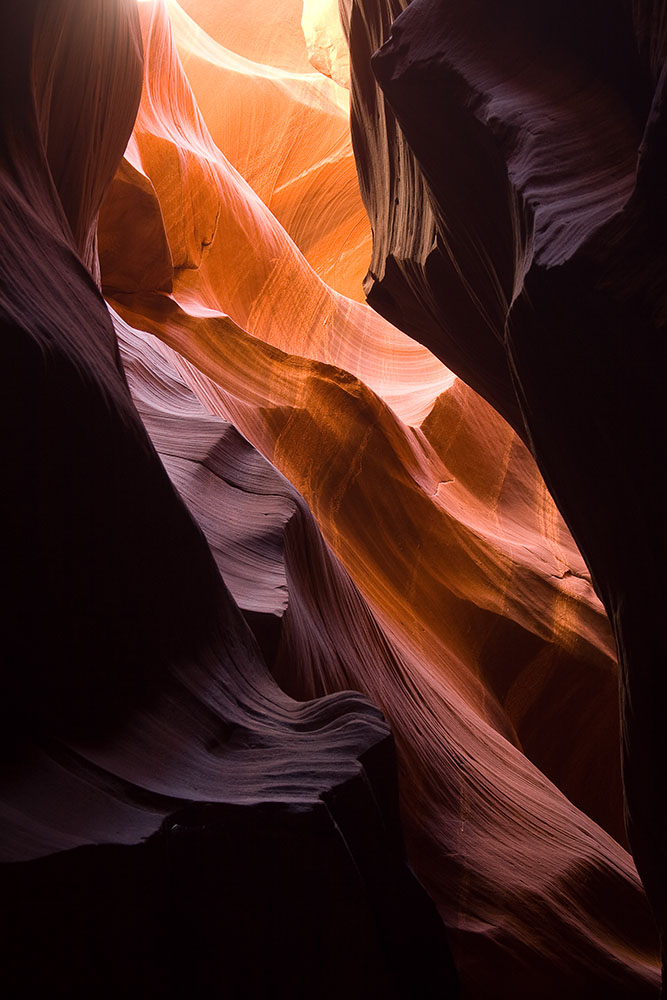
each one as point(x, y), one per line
point(172, 822)
point(535, 139)
point(246, 508)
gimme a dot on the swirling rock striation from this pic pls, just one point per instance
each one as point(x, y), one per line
point(457, 599)
point(149, 758)
point(171, 820)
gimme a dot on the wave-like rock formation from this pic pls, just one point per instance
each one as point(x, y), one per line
point(487, 621)
point(189, 751)
point(303, 167)
point(172, 822)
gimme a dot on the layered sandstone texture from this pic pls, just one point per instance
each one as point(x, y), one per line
point(173, 823)
point(288, 593)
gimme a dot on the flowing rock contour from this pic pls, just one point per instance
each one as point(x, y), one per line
point(173, 824)
point(467, 613)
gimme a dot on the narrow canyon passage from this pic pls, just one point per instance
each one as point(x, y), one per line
point(334, 528)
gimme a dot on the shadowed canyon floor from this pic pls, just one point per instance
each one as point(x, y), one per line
point(292, 615)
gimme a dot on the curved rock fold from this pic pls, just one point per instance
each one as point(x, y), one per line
point(289, 600)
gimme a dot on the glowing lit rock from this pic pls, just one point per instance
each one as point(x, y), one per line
point(325, 39)
point(474, 624)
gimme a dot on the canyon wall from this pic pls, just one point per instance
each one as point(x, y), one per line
point(258, 525)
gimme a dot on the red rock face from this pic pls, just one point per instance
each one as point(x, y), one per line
point(239, 494)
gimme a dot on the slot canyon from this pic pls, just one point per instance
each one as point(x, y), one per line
point(335, 547)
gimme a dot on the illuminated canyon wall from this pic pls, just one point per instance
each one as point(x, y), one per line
point(292, 616)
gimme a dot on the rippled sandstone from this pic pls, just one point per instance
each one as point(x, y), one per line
point(378, 526)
